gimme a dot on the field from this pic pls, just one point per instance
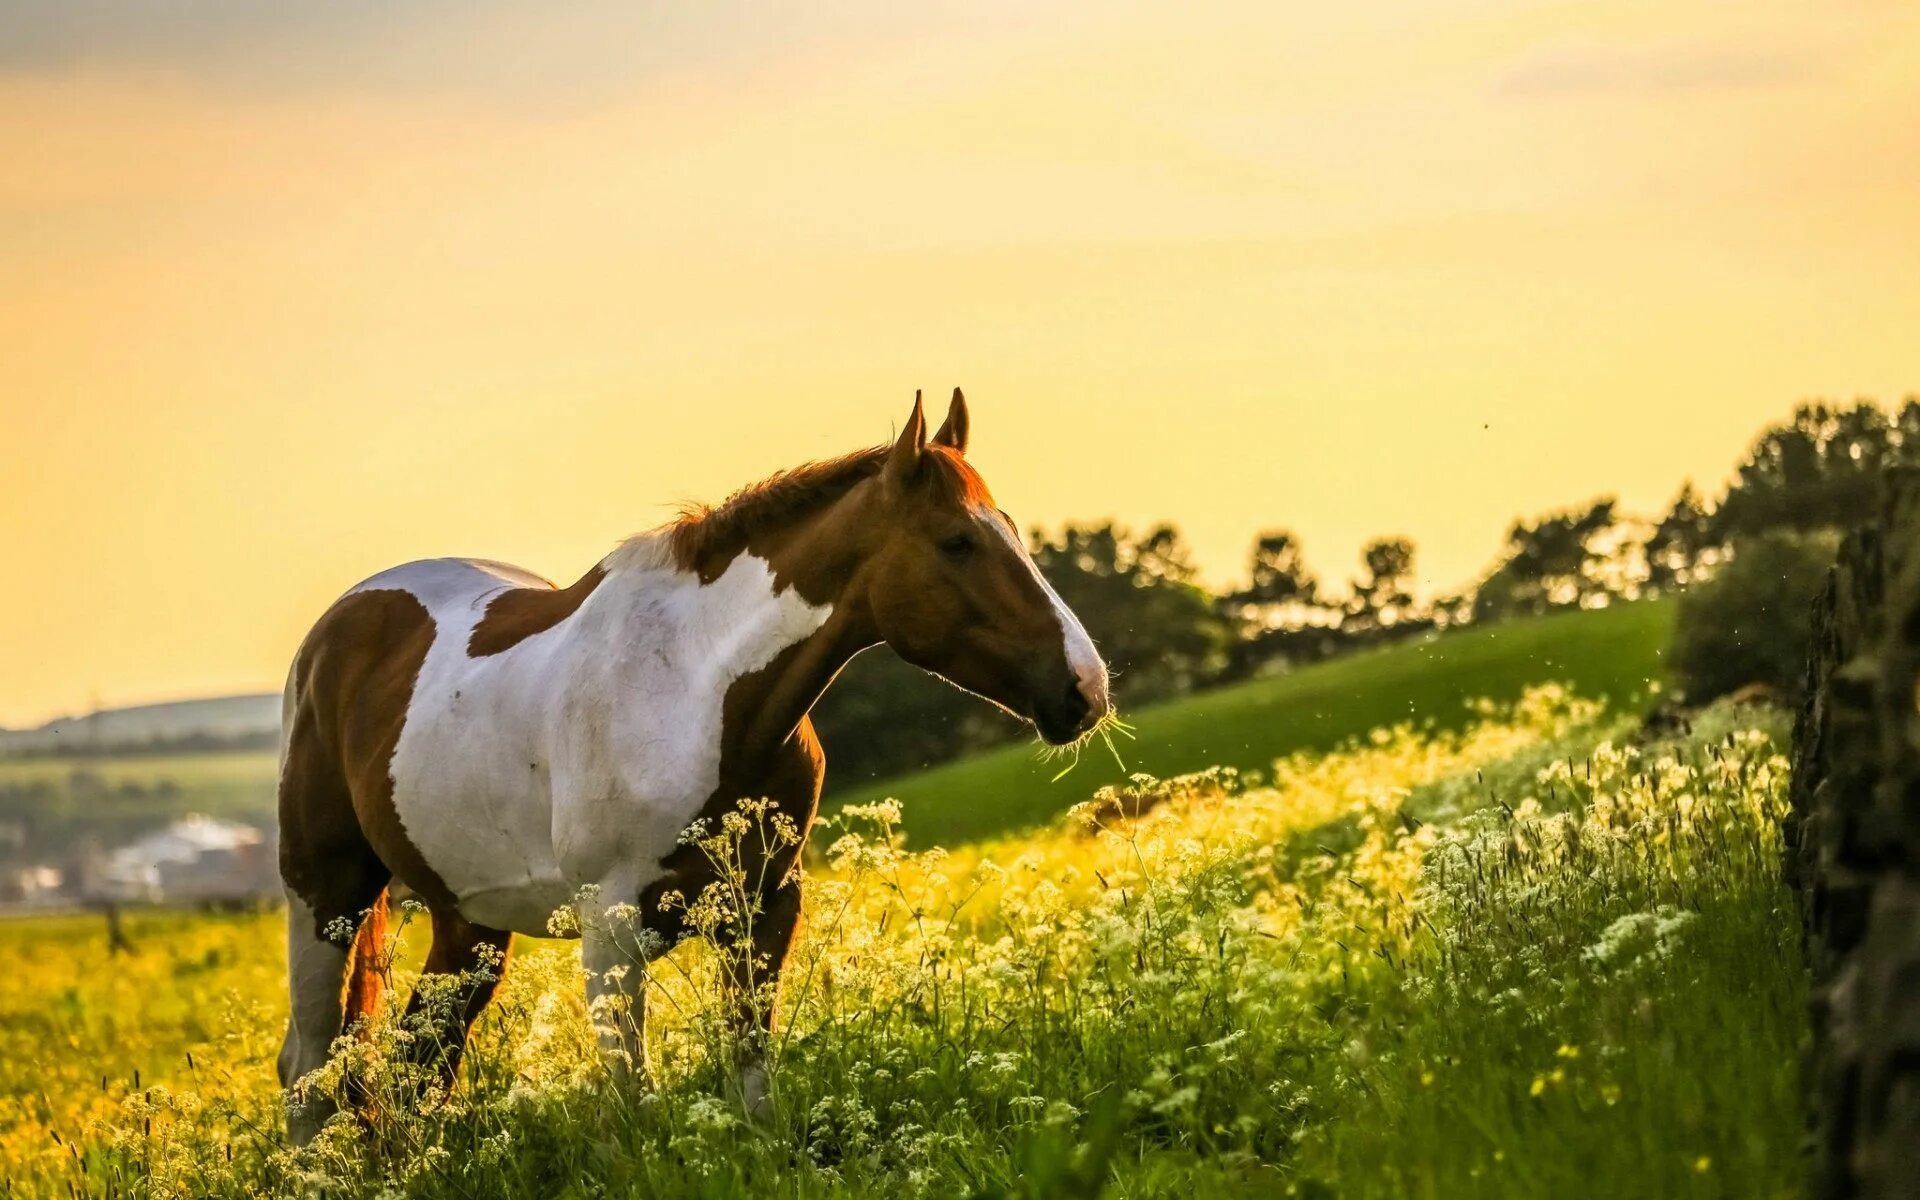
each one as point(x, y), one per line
point(1529, 956)
point(208, 774)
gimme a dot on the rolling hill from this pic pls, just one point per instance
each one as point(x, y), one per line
point(220, 717)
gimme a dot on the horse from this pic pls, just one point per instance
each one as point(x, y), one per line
point(507, 749)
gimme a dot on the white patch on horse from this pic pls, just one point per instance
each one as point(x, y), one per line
point(1082, 659)
point(577, 755)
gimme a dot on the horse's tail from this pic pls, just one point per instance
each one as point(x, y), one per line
point(367, 972)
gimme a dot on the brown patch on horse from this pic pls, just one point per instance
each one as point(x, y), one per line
point(518, 613)
point(341, 838)
point(791, 780)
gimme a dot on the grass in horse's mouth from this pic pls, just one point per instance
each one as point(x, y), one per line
point(1104, 729)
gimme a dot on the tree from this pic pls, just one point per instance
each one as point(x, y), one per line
point(1906, 431)
point(1818, 470)
point(1681, 544)
point(1281, 592)
point(1549, 562)
point(1280, 574)
point(1382, 596)
point(1750, 623)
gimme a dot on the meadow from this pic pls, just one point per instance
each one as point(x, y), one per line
point(1533, 954)
point(211, 775)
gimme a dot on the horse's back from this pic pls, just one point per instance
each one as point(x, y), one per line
point(371, 643)
point(450, 583)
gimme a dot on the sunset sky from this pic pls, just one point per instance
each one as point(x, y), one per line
point(290, 293)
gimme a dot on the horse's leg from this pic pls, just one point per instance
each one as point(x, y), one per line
point(325, 997)
point(336, 909)
point(615, 948)
point(753, 975)
point(462, 972)
point(793, 784)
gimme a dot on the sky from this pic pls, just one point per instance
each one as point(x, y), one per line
point(291, 293)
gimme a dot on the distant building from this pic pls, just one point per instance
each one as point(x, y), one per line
point(35, 885)
point(195, 860)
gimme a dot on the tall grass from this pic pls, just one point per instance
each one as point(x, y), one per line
point(1526, 958)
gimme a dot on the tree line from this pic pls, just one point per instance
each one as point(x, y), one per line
point(1165, 633)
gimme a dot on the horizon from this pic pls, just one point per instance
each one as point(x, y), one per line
point(301, 295)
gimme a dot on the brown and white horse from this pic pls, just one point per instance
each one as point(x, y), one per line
point(506, 748)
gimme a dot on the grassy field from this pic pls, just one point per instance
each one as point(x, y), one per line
point(1524, 958)
point(1612, 653)
point(248, 770)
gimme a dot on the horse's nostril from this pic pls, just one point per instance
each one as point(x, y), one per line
point(1078, 706)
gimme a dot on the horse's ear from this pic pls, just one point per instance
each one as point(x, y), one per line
point(953, 431)
point(903, 461)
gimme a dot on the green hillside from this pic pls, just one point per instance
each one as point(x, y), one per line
point(1612, 652)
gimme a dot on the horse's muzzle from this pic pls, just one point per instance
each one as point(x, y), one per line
point(1065, 713)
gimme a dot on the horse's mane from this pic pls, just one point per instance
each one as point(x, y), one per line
point(703, 531)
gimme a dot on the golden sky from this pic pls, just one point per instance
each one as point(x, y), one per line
point(292, 293)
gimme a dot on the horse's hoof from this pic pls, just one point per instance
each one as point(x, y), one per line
point(306, 1118)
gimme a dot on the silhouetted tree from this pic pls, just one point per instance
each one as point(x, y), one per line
point(1548, 563)
point(1819, 470)
point(1383, 595)
point(1681, 543)
point(1280, 574)
point(1906, 429)
point(1164, 634)
point(1281, 591)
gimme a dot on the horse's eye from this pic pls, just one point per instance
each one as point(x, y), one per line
point(957, 547)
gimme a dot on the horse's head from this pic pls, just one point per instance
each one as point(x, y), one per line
point(953, 590)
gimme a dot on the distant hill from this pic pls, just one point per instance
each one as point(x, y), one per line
point(215, 720)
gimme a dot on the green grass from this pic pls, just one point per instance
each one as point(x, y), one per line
point(1611, 653)
point(244, 769)
point(1531, 958)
